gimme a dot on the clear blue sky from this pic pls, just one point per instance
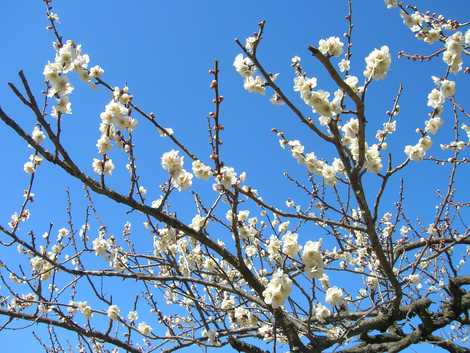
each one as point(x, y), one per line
point(163, 50)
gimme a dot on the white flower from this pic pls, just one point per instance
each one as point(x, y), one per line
point(467, 37)
point(244, 66)
point(113, 312)
point(453, 54)
point(144, 329)
point(254, 84)
point(331, 46)
point(103, 168)
point(413, 21)
point(201, 170)
point(425, 143)
point(344, 65)
point(377, 63)
point(183, 180)
point(172, 162)
point(100, 246)
point(304, 85)
point(290, 247)
point(132, 316)
point(197, 222)
point(29, 167)
point(227, 177)
point(435, 99)
point(313, 259)
point(283, 227)
point(38, 136)
point(103, 144)
point(414, 153)
point(448, 88)
point(85, 309)
point(329, 174)
point(433, 125)
point(334, 296)
point(278, 289)
point(244, 317)
point(96, 71)
point(319, 101)
point(274, 247)
point(352, 82)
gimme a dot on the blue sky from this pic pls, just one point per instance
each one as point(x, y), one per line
point(163, 49)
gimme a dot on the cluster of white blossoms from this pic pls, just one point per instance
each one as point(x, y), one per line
point(227, 178)
point(436, 99)
point(454, 46)
point(172, 162)
point(108, 249)
point(68, 58)
point(418, 151)
point(31, 165)
point(331, 46)
point(278, 289)
point(115, 117)
point(373, 160)
point(311, 162)
point(318, 100)
point(388, 128)
point(42, 267)
point(378, 63)
point(245, 67)
point(413, 21)
point(290, 246)
point(313, 259)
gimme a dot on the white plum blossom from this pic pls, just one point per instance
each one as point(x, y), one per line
point(334, 296)
point(433, 125)
point(103, 167)
point(447, 88)
point(290, 246)
point(183, 180)
point(331, 46)
point(227, 177)
point(254, 84)
point(453, 54)
point(244, 66)
point(113, 312)
point(201, 170)
point(378, 63)
point(435, 99)
point(344, 65)
point(172, 162)
point(413, 21)
point(29, 167)
point(144, 328)
point(38, 135)
point(278, 289)
point(313, 259)
point(132, 316)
